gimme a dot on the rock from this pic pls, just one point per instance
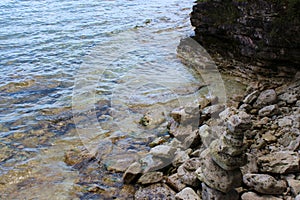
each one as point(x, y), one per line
point(226, 161)
point(297, 197)
point(281, 162)
point(254, 196)
point(175, 182)
point(237, 124)
point(268, 111)
point(294, 185)
point(227, 149)
point(264, 183)
point(269, 137)
point(186, 135)
point(286, 121)
point(119, 163)
point(186, 172)
point(265, 98)
point(159, 140)
point(156, 191)
point(250, 98)
point(207, 135)
point(180, 157)
point(187, 194)
point(163, 151)
point(211, 194)
point(216, 177)
point(213, 110)
point(132, 173)
point(150, 177)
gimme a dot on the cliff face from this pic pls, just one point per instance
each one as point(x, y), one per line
point(264, 31)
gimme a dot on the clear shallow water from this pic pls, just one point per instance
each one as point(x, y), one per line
point(75, 72)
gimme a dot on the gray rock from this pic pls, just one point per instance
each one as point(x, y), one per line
point(186, 172)
point(207, 135)
point(265, 98)
point(264, 183)
point(175, 182)
point(227, 149)
point(232, 140)
point(294, 185)
point(156, 191)
point(211, 194)
point(237, 124)
point(226, 161)
point(132, 173)
point(119, 163)
point(150, 177)
point(180, 157)
point(281, 162)
point(268, 111)
point(213, 110)
point(216, 177)
point(186, 135)
point(254, 196)
point(187, 194)
point(250, 98)
point(163, 151)
point(286, 121)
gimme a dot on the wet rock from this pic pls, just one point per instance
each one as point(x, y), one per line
point(132, 173)
point(211, 194)
point(159, 140)
point(187, 194)
point(294, 185)
point(216, 177)
point(187, 135)
point(254, 196)
point(175, 182)
point(268, 111)
point(119, 163)
point(150, 177)
point(281, 162)
point(155, 192)
point(264, 183)
point(265, 98)
point(207, 135)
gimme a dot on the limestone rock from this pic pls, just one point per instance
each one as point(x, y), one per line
point(237, 124)
point(175, 182)
point(132, 173)
point(156, 191)
point(268, 111)
point(180, 157)
point(264, 183)
point(250, 98)
point(265, 98)
point(187, 194)
point(216, 177)
point(150, 177)
point(294, 185)
point(207, 135)
point(163, 151)
point(281, 162)
point(211, 194)
point(254, 196)
point(186, 172)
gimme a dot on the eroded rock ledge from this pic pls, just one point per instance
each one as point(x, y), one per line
point(263, 32)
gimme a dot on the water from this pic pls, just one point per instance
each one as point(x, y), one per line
point(73, 73)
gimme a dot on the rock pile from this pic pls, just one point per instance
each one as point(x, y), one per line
point(220, 164)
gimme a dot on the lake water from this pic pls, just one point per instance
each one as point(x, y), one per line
point(75, 73)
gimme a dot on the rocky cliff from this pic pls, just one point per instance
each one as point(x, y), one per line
point(264, 32)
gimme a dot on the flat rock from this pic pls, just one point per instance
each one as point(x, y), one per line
point(163, 151)
point(216, 177)
point(156, 191)
point(150, 177)
point(254, 196)
point(281, 162)
point(212, 194)
point(187, 194)
point(239, 123)
point(265, 184)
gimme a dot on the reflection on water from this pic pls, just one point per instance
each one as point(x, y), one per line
point(76, 73)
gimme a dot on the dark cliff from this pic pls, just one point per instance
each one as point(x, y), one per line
point(258, 31)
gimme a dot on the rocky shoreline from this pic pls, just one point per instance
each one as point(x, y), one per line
point(251, 151)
